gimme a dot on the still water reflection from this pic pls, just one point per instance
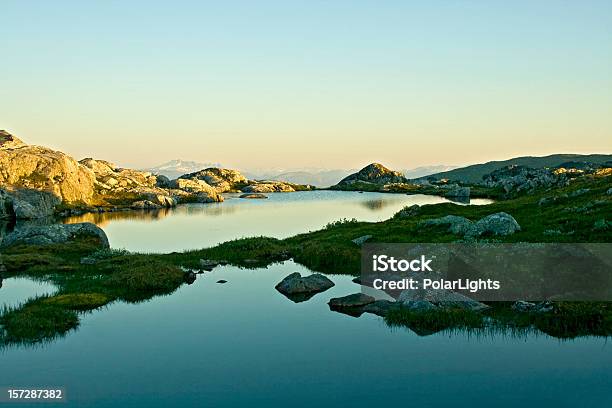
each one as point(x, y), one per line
point(282, 215)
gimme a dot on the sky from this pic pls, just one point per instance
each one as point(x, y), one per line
point(289, 84)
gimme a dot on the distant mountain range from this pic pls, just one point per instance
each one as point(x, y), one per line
point(474, 173)
point(176, 168)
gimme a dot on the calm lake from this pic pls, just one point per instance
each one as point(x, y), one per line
point(281, 215)
point(243, 344)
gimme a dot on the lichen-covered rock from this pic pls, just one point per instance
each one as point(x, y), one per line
point(55, 234)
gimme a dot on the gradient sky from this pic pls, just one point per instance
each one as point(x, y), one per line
point(308, 83)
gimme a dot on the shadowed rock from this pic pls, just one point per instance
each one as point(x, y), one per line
point(299, 289)
point(253, 196)
point(55, 234)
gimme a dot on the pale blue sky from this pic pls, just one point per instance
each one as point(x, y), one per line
point(308, 83)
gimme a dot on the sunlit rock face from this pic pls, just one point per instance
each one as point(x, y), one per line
point(27, 167)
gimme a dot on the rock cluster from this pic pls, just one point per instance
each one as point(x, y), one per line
point(522, 178)
point(499, 223)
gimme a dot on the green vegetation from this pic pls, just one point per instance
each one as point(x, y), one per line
point(89, 278)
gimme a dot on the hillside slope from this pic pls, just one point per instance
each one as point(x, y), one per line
point(474, 173)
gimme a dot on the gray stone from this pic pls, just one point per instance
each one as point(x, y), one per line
point(145, 205)
point(440, 298)
point(499, 223)
point(456, 224)
point(609, 192)
point(55, 234)
point(355, 300)
point(523, 306)
point(361, 240)
point(295, 284)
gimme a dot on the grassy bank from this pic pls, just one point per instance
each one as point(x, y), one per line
point(88, 278)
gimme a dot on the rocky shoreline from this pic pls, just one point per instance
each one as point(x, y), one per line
point(38, 182)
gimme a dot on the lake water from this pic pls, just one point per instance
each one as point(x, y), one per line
point(282, 215)
point(243, 344)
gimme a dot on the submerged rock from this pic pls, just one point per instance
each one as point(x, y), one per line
point(55, 234)
point(253, 196)
point(381, 307)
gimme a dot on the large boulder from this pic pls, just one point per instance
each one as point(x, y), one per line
point(27, 204)
point(39, 168)
point(296, 283)
point(55, 234)
point(499, 223)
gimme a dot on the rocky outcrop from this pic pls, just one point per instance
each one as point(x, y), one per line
point(268, 187)
point(55, 234)
point(199, 190)
point(38, 168)
point(222, 180)
point(27, 204)
point(374, 173)
point(296, 283)
point(8, 141)
point(520, 178)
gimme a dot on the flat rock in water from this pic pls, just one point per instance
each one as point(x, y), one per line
point(351, 301)
point(381, 307)
point(440, 298)
point(253, 196)
point(55, 234)
point(296, 284)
